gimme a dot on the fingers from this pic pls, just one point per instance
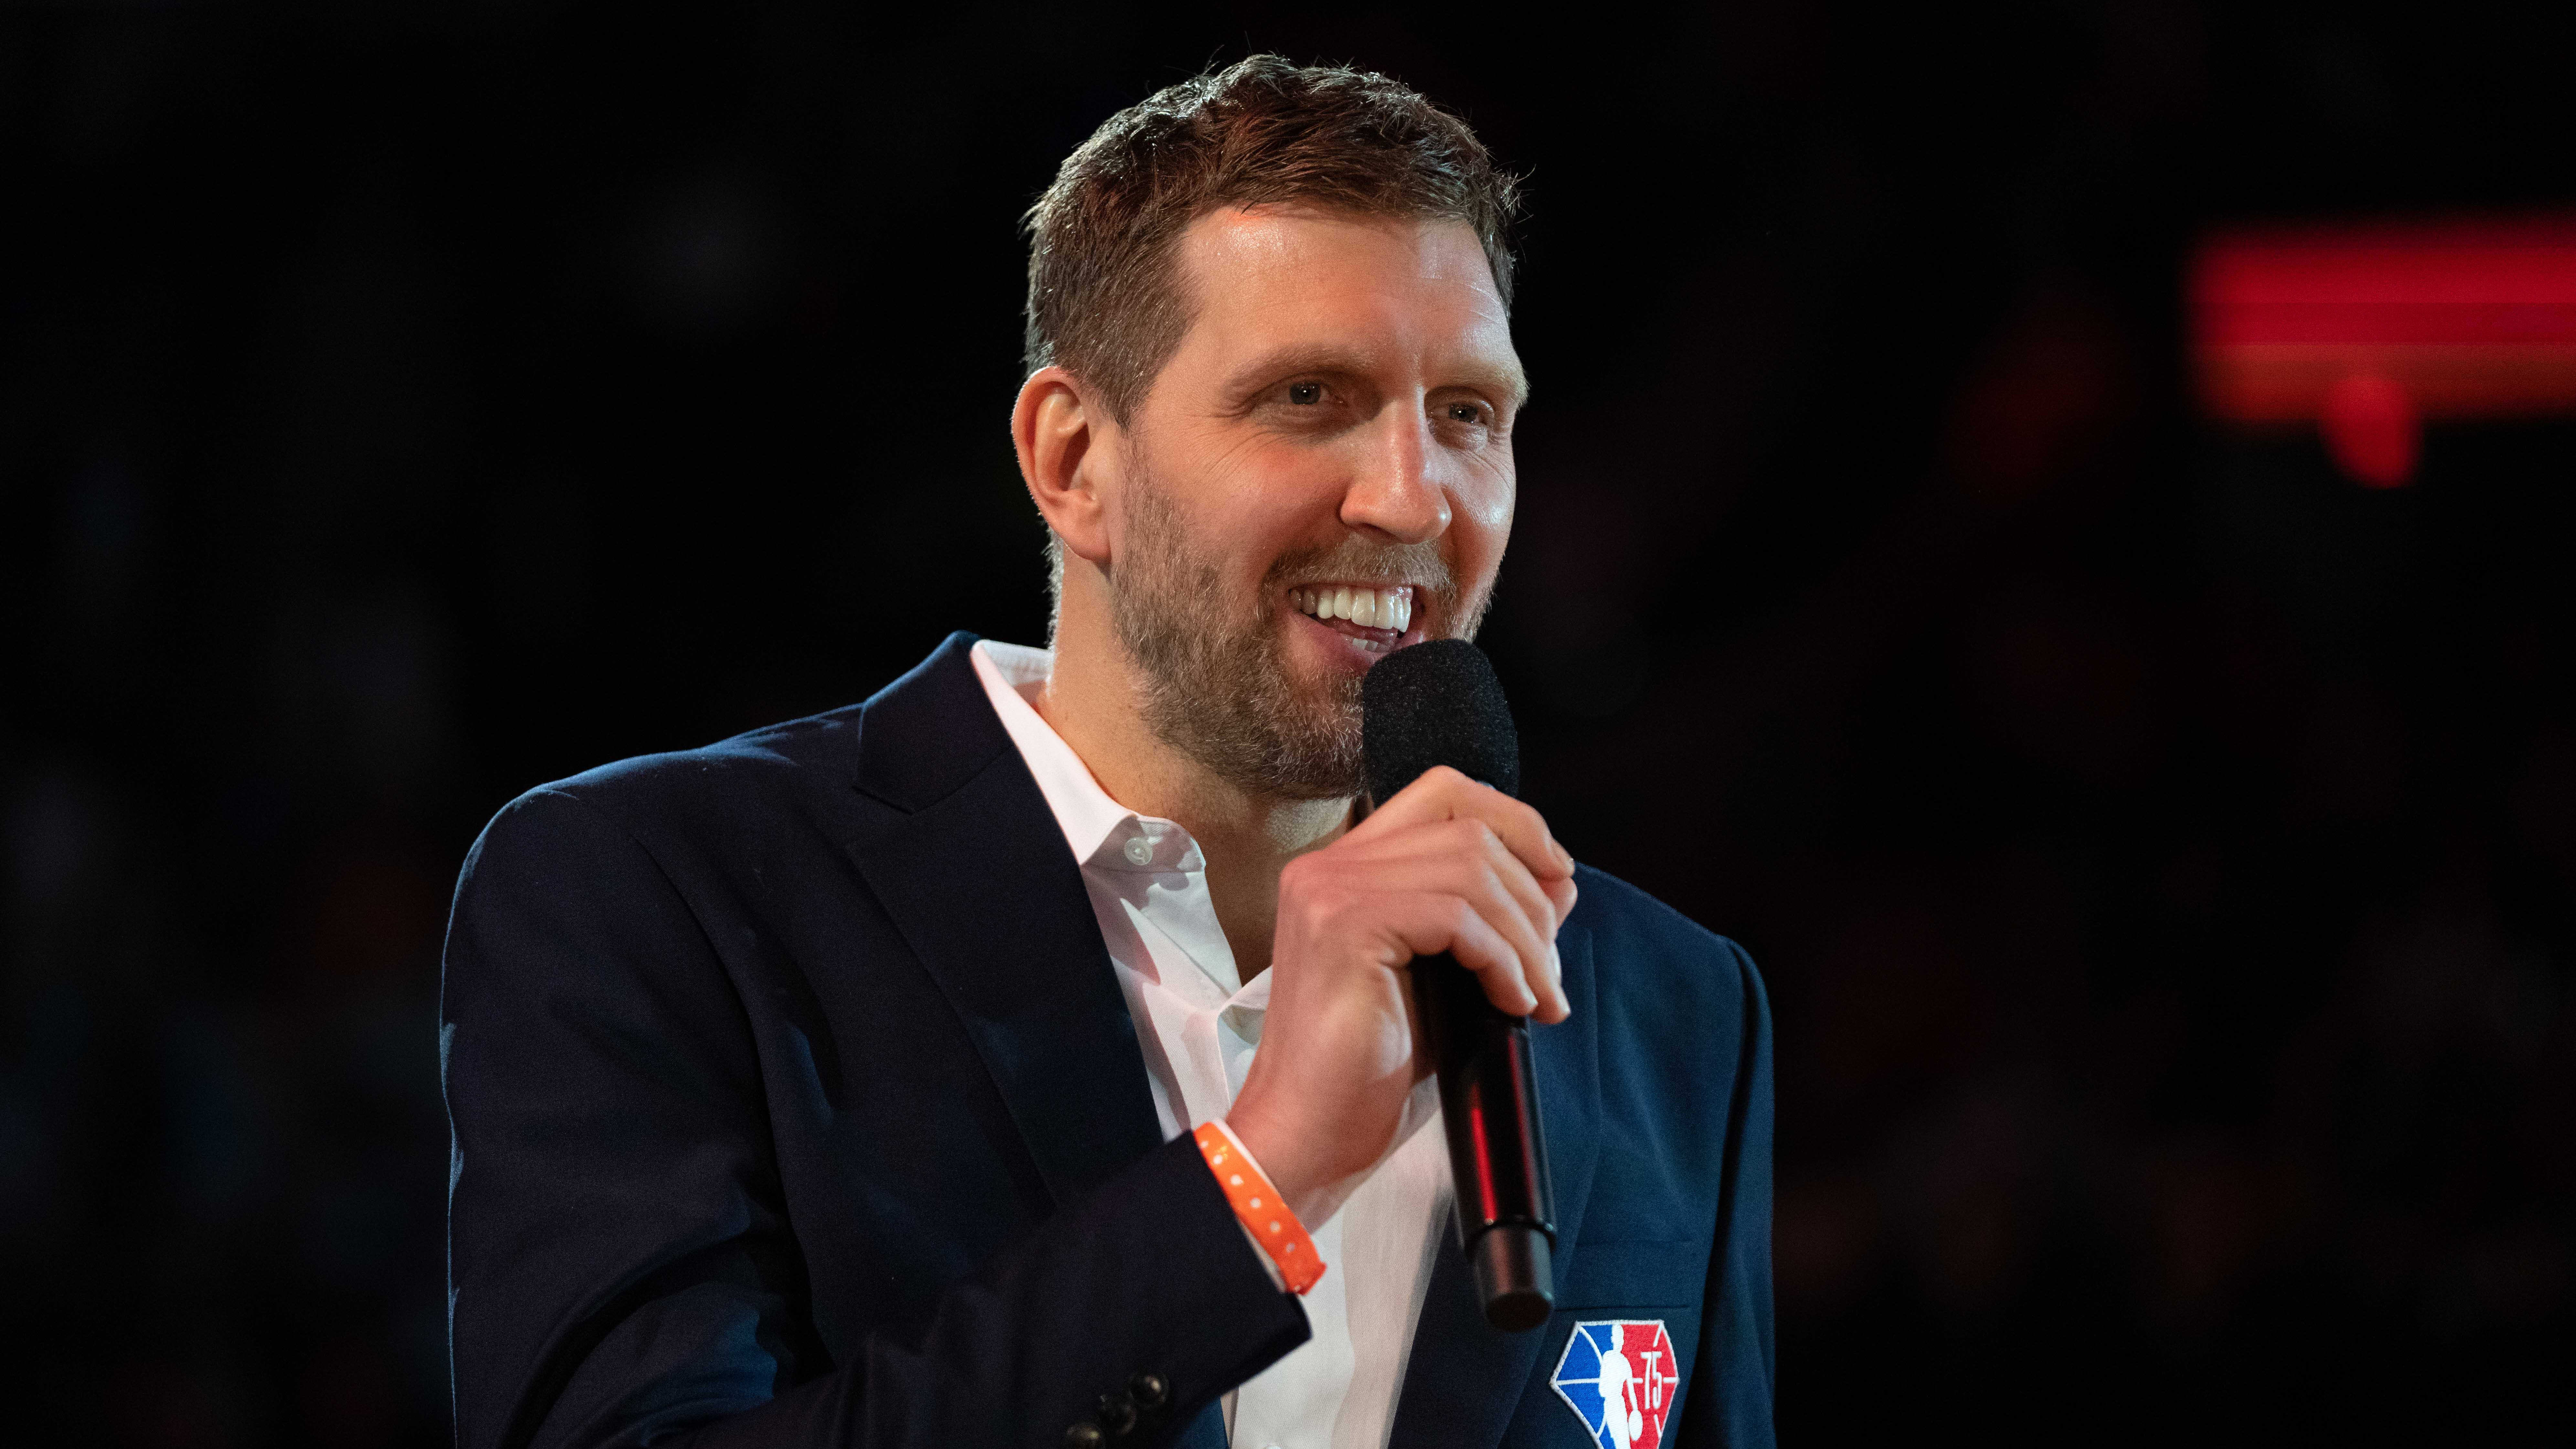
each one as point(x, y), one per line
point(1430, 923)
point(1526, 915)
point(1561, 894)
point(1510, 868)
point(1465, 865)
point(1444, 794)
point(1485, 880)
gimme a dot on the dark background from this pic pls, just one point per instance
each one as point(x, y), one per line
point(2162, 852)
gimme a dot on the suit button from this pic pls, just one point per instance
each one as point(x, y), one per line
point(1084, 1436)
point(1151, 1391)
point(1117, 1415)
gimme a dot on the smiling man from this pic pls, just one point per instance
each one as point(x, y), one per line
point(1028, 1055)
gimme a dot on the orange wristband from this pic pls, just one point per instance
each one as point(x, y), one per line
point(1256, 1204)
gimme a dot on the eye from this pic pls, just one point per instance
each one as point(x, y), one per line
point(1466, 413)
point(1305, 394)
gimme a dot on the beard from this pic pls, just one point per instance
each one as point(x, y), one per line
point(1218, 687)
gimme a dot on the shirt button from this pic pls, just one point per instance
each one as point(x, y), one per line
point(1139, 851)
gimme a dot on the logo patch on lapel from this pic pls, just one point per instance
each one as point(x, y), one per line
point(1618, 1377)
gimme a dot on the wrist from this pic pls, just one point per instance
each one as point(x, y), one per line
point(1261, 1210)
point(1309, 1187)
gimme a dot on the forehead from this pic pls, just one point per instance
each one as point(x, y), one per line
point(1385, 291)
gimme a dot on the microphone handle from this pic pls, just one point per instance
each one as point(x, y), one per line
point(1497, 1152)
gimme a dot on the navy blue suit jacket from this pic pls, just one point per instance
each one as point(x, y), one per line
point(795, 1103)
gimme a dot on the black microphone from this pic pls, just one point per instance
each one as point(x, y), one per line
point(1439, 703)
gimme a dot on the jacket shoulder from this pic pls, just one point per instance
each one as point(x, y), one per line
point(816, 750)
point(912, 741)
point(1611, 907)
point(749, 774)
point(764, 798)
point(1657, 948)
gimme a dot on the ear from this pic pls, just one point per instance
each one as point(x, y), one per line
point(1064, 438)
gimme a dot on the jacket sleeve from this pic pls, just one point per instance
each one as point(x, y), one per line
point(1732, 1385)
point(621, 1269)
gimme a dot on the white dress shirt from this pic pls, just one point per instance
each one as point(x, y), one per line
point(1199, 1026)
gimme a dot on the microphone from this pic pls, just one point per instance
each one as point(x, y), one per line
point(1438, 703)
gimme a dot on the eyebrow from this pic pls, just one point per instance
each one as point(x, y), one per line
point(1335, 358)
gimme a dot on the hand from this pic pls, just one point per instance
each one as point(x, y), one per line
point(1447, 865)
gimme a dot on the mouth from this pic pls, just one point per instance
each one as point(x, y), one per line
point(1370, 619)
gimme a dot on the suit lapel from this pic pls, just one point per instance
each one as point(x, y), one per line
point(976, 876)
point(1463, 1379)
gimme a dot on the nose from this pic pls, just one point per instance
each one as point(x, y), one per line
point(1392, 492)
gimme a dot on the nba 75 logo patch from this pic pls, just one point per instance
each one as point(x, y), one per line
point(1618, 1377)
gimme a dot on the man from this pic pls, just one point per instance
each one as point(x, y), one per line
point(937, 1070)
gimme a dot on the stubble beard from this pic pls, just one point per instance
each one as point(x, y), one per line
point(1216, 679)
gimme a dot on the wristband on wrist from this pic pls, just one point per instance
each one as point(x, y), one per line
point(1256, 1204)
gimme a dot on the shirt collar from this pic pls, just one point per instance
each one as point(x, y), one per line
point(1103, 834)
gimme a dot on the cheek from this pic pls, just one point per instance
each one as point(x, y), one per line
point(1487, 507)
point(1276, 495)
point(1242, 503)
point(1483, 499)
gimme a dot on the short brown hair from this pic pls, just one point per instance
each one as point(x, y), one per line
point(1104, 300)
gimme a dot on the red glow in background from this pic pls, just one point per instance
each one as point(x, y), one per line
point(2368, 329)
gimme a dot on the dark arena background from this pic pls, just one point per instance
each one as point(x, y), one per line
point(2161, 846)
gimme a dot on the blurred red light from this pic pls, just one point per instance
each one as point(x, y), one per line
point(2367, 328)
point(2371, 431)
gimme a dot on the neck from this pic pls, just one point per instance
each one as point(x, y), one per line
point(1093, 700)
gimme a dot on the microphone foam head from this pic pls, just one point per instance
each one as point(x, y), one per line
point(1436, 703)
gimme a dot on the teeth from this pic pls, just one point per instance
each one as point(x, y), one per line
point(1368, 608)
